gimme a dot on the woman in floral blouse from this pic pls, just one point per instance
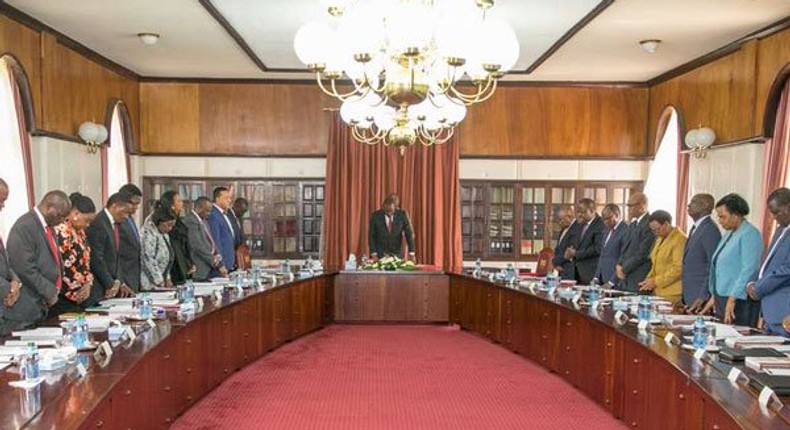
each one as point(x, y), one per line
point(157, 253)
point(75, 253)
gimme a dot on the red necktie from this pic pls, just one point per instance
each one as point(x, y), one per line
point(117, 229)
point(55, 253)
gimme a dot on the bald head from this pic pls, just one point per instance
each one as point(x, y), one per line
point(55, 207)
point(3, 193)
point(700, 206)
point(637, 205)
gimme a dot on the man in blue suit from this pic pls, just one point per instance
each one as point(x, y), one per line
point(773, 280)
point(568, 236)
point(702, 242)
point(613, 245)
point(222, 229)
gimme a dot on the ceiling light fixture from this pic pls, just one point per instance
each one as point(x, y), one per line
point(650, 45)
point(148, 39)
point(404, 58)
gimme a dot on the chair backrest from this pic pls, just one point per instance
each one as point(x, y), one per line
point(544, 262)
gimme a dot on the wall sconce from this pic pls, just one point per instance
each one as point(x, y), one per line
point(94, 135)
point(698, 140)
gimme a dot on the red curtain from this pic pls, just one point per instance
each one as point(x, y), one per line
point(683, 185)
point(360, 176)
point(777, 149)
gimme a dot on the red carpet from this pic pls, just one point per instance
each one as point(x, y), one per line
point(395, 377)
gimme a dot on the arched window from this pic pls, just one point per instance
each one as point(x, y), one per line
point(661, 186)
point(776, 125)
point(115, 156)
point(14, 144)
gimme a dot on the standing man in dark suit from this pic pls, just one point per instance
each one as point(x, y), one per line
point(613, 244)
point(104, 236)
point(129, 252)
point(587, 249)
point(34, 256)
point(634, 263)
point(772, 287)
point(9, 282)
point(568, 236)
point(703, 239)
point(388, 227)
point(235, 215)
point(204, 251)
point(222, 229)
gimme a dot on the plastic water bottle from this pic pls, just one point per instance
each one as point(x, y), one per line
point(285, 267)
point(478, 271)
point(552, 281)
point(146, 306)
point(643, 311)
point(80, 336)
point(32, 362)
point(594, 292)
point(511, 272)
point(700, 337)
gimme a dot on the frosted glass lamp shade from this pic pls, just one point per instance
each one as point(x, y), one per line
point(89, 132)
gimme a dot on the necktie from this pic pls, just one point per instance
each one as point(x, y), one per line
point(584, 229)
point(117, 231)
point(779, 237)
point(389, 223)
point(608, 236)
point(133, 226)
point(55, 253)
point(208, 235)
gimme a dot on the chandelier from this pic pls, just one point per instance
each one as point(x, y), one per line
point(406, 60)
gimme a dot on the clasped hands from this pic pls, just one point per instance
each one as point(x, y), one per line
point(13, 294)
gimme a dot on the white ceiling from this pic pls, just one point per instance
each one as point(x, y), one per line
point(194, 45)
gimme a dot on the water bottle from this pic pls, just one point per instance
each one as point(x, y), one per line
point(146, 306)
point(31, 362)
point(594, 292)
point(285, 267)
point(643, 311)
point(80, 336)
point(478, 272)
point(189, 290)
point(700, 337)
point(552, 281)
point(256, 276)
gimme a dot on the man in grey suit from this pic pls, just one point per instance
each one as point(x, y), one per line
point(613, 244)
point(129, 251)
point(568, 236)
point(9, 282)
point(634, 262)
point(204, 250)
point(587, 249)
point(697, 255)
point(34, 256)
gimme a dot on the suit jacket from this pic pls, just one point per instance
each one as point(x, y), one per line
point(390, 242)
point(200, 245)
point(588, 250)
point(6, 276)
point(223, 237)
point(568, 237)
point(182, 252)
point(605, 272)
point(667, 264)
point(773, 287)
point(129, 255)
point(31, 259)
point(238, 232)
point(736, 261)
point(157, 257)
point(697, 257)
point(104, 258)
point(635, 257)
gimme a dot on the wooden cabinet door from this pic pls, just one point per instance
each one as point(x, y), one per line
point(128, 397)
point(456, 301)
point(547, 328)
point(507, 302)
point(162, 390)
point(635, 372)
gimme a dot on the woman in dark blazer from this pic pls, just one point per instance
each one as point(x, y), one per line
point(183, 267)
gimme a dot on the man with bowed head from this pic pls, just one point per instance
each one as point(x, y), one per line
point(34, 257)
point(634, 263)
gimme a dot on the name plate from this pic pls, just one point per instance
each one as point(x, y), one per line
point(81, 370)
point(150, 323)
point(766, 395)
point(620, 317)
point(642, 326)
point(576, 298)
point(670, 338)
point(734, 375)
point(200, 303)
point(218, 296)
point(130, 334)
point(103, 351)
point(700, 354)
point(532, 287)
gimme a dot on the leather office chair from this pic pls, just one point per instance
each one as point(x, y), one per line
point(544, 262)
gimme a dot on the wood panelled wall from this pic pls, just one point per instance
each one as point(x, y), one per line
point(67, 88)
point(729, 94)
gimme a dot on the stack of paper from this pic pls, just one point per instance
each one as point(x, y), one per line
point(41, 333)
point(754, 341)
point(762, 363)
point(207, 289)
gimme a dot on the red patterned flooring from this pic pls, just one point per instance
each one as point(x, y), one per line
point(395, 377)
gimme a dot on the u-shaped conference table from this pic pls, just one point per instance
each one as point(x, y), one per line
point(635, 375)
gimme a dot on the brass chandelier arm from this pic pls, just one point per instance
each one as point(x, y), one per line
point(483, 93)
point(367, 136)
point(333, 91)
point(437, 137)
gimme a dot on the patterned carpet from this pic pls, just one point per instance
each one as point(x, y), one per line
point(394, 377)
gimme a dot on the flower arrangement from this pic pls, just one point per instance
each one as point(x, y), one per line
point(390, 263)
